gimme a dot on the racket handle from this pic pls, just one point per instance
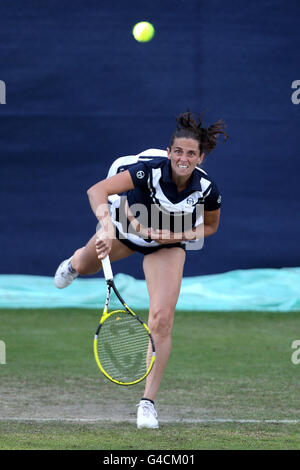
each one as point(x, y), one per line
point(107, 268)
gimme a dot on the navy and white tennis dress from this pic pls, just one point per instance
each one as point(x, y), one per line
point(155, 201)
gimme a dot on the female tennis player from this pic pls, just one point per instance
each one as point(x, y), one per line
point(170, 183)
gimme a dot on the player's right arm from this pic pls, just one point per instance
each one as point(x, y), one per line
point(98, 197)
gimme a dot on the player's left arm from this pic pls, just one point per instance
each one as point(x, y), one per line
point(212, 211)
point(211, 222)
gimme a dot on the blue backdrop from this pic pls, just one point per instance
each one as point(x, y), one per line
point(80, 91)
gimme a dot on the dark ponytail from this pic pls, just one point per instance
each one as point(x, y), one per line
point(188, 127)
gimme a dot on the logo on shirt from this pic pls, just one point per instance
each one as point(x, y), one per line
point(190, 201)
point(219, 199)
point(140, 174)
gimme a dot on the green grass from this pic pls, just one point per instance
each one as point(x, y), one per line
point(69, 436)
point(222, 366)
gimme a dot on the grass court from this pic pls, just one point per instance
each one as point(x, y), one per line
point(229, 384)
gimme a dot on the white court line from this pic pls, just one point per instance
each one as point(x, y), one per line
point(166, 421)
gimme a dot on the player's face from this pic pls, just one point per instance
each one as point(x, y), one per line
point(185, 156)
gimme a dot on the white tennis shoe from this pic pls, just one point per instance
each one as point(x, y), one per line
point(146, 415)
point(63, 276)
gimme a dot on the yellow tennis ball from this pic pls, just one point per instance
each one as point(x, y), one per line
point(143, 31)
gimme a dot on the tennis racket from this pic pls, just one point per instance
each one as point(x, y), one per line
point(123, 346)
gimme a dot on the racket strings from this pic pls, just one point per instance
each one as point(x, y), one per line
point(123, 347)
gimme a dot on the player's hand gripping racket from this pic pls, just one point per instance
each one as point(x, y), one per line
point(123, 346)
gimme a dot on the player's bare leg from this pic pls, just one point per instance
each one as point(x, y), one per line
point(85, 261)
point(163, 273)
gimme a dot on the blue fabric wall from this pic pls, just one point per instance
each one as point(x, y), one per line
point(81, 92)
